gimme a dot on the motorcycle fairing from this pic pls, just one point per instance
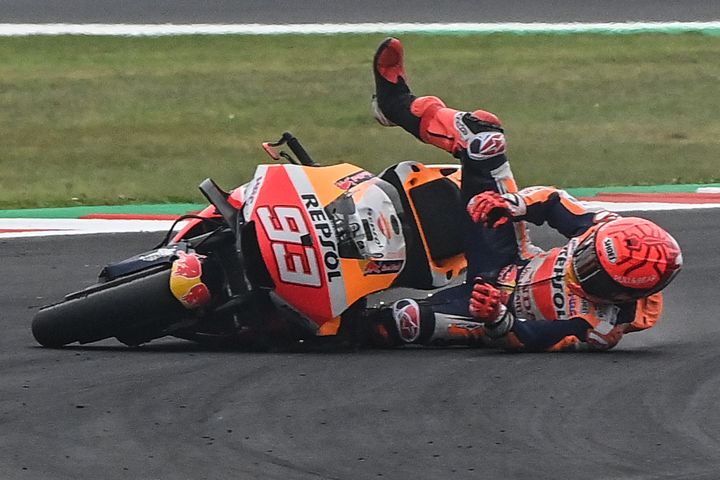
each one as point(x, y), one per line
point(375, 224)
point(375, 201)
point(236, 199)
point(252, 189)
point(186, 282)
point(298, 242)
point(143, 261)
point(413, 177)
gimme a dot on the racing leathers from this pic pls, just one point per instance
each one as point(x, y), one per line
point(540, 308)
point(541, 305)
point(546, 309)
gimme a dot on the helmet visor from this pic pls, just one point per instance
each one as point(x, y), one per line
point(596, 281)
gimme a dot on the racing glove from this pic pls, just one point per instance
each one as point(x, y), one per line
point(487, 305)
point(494, 210)
point(604, 336)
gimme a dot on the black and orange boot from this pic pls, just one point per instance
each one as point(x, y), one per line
point(392, 95)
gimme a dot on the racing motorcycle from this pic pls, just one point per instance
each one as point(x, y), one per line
point(291, 256)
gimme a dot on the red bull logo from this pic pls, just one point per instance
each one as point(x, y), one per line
point(346, 183)
point(186, 283)
point(380, 267)
point(187, 266)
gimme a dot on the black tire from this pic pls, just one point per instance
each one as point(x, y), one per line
point(128, 306)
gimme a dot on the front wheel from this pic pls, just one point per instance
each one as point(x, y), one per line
point(138, 306)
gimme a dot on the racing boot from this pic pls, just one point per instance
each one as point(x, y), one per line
point(392, 93)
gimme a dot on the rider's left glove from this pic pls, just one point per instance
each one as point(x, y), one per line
point(487, 305)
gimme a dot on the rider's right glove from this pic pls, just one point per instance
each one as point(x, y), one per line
point(492, 209)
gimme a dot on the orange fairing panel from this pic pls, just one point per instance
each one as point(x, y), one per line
point(331, 181)
point(306, 275)
point(413, 175)
point(311, 276)
point(363, 277)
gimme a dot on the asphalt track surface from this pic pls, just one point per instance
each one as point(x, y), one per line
point(170, 409)
point(341, 11)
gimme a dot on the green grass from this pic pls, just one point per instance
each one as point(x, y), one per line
point(105, 120)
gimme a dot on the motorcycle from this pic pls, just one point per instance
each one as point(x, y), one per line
point(290, 256)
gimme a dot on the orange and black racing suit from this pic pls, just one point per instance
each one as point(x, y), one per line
point(549, 310)
point(550, 314)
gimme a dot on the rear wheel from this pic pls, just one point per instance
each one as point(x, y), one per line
point(138, 306)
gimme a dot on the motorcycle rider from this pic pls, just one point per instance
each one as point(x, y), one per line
point(585, 295)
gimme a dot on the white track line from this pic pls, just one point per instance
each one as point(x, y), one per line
point(648, 206)
point(41, 227)
point(24, 29)
point(45, 227)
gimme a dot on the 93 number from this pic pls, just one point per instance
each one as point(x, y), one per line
point(285, 227)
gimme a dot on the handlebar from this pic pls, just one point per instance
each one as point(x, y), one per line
point(301, 155)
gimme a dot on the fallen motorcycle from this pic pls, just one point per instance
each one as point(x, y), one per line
point(289, 256)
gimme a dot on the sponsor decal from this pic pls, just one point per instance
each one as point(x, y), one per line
point(290, 239)
point(185, 281)
point(523, 302)
point(609, 247)
point(460, 125)
point(486, 145)
point(407, 317)
point(523, 294)
point(326, 235)
point(379, 267)
point(252, 189)
point(507, 278)
point(558, 284)
point(464, 328)
point(323, 238)
point(578, 306)
point(639, 282)
point(346, 183)
point(197, 296)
